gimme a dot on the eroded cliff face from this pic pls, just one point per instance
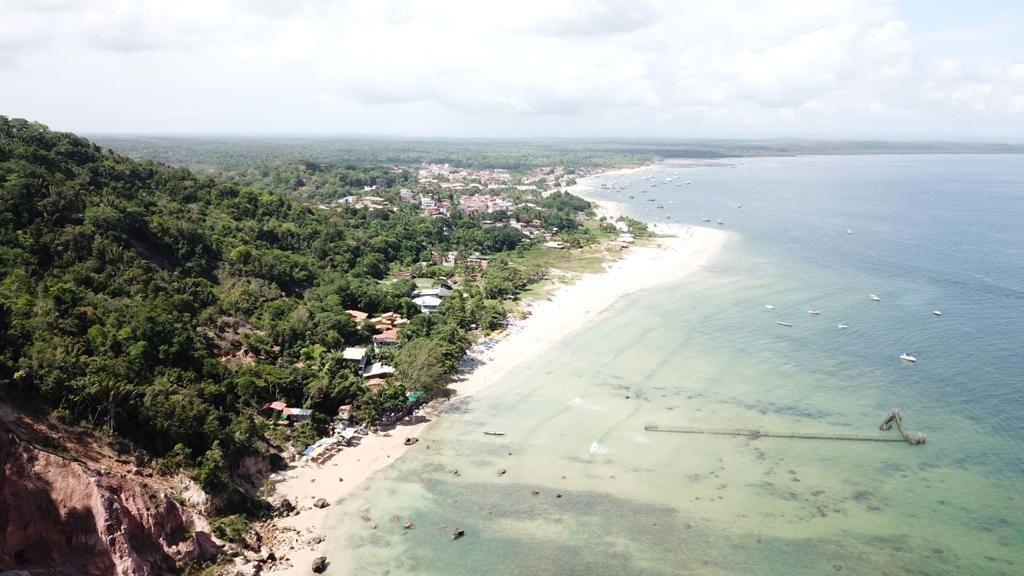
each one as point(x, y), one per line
point(83, 517)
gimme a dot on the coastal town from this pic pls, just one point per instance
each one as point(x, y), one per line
point(356, 448)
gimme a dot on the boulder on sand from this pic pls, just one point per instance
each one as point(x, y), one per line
point(320, 564)
point(321, 503)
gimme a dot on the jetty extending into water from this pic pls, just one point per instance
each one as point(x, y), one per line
point(893, 418)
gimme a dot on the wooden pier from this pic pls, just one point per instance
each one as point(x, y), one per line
point(893, 418)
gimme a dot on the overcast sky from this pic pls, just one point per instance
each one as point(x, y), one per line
point(941, 69)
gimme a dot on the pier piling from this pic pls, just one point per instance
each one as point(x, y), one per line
point(893, 418)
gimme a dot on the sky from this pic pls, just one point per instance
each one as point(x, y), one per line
point(879, 69)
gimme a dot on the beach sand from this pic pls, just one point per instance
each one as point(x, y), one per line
point(678, 251)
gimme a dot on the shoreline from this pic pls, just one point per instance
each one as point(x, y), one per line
point(677, 251)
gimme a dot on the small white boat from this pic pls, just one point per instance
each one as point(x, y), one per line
point(705, 219)
point(907, 357)
point(786, 324)
point(769, 306)
point(493, 433)
point(849, 230)
point(720, 222)
point(687, 182)
point(842, 326)
point(875, 298)
point(936, 312)
point(814, 312)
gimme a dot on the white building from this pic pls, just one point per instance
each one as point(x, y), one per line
point(378, 370)
point(355, 354)
point(427, 304)
point(440, 292)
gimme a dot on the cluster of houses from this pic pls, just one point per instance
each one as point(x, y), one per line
point(388, 327)
point(533, 229)
point(429, 299)
point(447, 176)
point(429, 204)
point(484, 203)
point(454, 258)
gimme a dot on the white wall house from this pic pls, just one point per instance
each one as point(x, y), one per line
point(427, 304)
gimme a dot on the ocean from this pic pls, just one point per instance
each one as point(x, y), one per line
point(577, 486)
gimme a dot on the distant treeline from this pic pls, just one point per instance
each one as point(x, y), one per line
point(231, 153)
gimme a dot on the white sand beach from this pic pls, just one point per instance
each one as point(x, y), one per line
point(678, 251)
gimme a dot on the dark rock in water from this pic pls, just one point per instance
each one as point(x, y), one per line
point(502, 472)
point(320, 564)
point(535, 492)
point(558, 495)
point(321, 503)
point(458, 533)
point(837, 567)
point(411, 441)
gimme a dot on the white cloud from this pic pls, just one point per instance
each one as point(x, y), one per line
point(535, 67)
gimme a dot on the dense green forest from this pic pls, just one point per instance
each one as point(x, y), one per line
point(229, 154)
point(124, 284)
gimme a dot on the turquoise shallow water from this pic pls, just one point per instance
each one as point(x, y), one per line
point(929, 232)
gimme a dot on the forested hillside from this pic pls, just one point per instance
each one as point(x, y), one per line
point(126, 284)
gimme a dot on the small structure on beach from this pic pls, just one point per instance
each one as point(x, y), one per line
point(344, 414)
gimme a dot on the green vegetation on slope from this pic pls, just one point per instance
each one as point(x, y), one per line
point(127, 287)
